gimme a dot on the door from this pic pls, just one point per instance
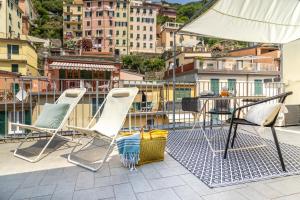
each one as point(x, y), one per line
point(232, 85)
point(258, 87)
point(214, 86)
point(3, 123)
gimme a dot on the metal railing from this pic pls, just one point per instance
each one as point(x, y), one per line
point(152, 107)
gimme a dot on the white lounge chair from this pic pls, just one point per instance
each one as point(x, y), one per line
point(114, 111)
point(69, 97)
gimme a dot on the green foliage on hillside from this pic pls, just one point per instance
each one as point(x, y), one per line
point(142, 64)
point(49, 21)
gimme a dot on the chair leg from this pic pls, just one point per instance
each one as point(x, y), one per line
point(234, 135)
point(228, 139)
point(278, 148)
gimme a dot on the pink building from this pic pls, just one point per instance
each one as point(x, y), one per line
point(99, 24)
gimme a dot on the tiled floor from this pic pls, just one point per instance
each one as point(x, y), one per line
point(55, 178)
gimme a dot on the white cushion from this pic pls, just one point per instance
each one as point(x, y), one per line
point(263, 114)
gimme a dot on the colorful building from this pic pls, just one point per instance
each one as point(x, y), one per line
point(87, 71)
point(99, 24)
point(72, 15)
point(10, 19)
point(18, 55)
point(142, 25)
point(29, 15)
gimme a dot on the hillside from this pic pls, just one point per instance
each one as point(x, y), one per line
point(49, 21)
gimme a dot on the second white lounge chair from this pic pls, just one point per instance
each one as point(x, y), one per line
point(113, 110)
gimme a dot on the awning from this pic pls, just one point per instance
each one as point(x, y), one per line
point(264, 21)
point(82, 66)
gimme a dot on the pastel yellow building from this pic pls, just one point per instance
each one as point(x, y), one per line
point(166, 37)
point(10, 19)
point(72, 15)
point(121, 27)
point(18, 55)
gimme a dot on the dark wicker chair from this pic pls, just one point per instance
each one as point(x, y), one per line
point(236, 120)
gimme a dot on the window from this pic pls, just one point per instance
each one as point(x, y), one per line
point(145, 37)
point(110, 22)
point(131, 19)
point(124, 14)
point(117, 32)
point(13, 49)
point(117, 42)
point(214, 85)
point(131, 35)
point(124, 32)
point(171, 34)
point(14, 67)
point(131, 10)
point(231, 84)
point(151, 37)
point(151, 45)
point(110, 32)
point(137, 10)
point(88, 23)
point(118, 4)
point(118, 14)
point(88, 4)
point(111, 4)
point(137, 44)
point(171, 43)
point(99, 22)
point(131, 44)
point(9, 17)
point(137, 36)
point(131, 27)
point(19, 26)
point(151, 29)
point(88, 14)
point(110, 49)
point(138, 19)
point(150, 11)
point(144, 10)
point(124, 5)
point(124, 42)
point(99, 13)
point(99, 32)
point(110, 42)
point(258, 87)
point(78, 8)
point(182, 92)
point(99, 3)
point(138, 28)
point(68, 26)
point(145, 28)
point(68, 8)
point(78, 26)
point(144, 45)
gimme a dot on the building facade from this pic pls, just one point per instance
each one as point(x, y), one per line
point(10, 19)
point(99, 24)
point(29, 15)
point(18, 56)
point(72, 20)
point(142, 25)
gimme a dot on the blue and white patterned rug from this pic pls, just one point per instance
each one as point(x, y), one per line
point(192, 151)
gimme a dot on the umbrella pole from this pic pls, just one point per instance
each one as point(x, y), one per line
point(174, 78)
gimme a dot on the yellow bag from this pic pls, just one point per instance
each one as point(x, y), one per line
point(152, 145)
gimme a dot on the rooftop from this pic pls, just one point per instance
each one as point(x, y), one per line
point(55, 178)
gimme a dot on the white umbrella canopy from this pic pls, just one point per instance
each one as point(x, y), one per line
point(263, 21)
